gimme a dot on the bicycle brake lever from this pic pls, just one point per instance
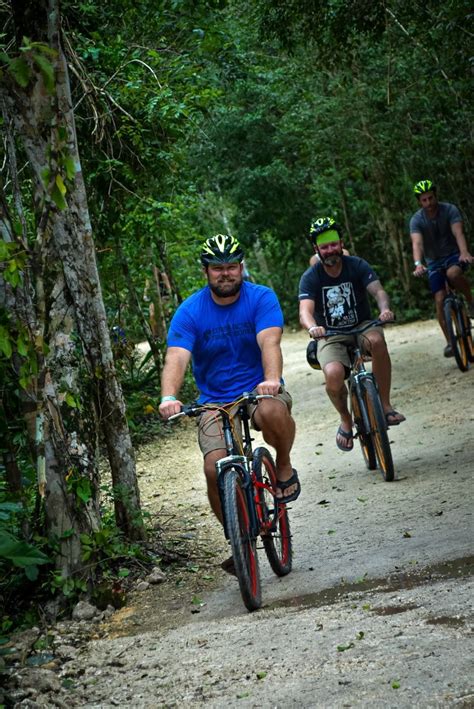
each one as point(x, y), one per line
point(175, 416)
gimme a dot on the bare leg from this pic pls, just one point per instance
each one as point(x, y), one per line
point(337, 392)
point(211, 480)
point(457, 279)
point(278, 429)
point(439, 301)
point(382, 369)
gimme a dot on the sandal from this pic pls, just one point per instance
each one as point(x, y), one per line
point(349, 436)
point(284, 484)
point(399, 418)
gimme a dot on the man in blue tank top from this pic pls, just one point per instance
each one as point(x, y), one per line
point(231, 329)
point(437, 236)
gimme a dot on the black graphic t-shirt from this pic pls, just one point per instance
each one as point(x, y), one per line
point(341, 301)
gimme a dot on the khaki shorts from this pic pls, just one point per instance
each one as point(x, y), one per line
point(210, 433)
point(334, 349)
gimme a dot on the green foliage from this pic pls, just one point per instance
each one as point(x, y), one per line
point(21, 554)
point(33, 55)
point(14, 550)
point(252, 117)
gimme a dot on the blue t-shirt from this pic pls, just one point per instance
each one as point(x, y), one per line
point(340, 301)
point(222, 339)
point(438, 239)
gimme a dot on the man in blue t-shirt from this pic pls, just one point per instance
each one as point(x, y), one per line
point(333, 294)
point(437, 235)
point(232, 330)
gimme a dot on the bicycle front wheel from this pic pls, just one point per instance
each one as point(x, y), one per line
point(243, 544)
point(364, 436)
point(273, 518)
point(455, 327)
point(378, 429)
point(467, 333)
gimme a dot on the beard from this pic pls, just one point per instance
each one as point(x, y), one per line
point(226, 289)
point(331, 260)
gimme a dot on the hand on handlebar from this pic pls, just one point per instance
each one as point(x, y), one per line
point(466, 257)
point(420, 270)
point(386, 316)
point(318, 332)
point(269, 386)
point(170, 408)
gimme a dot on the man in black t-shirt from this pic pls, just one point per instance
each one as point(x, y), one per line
point(333, 293)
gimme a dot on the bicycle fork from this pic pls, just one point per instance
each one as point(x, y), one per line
point(240, 464)
point(359, 389)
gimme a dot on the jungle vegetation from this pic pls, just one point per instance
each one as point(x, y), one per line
point(131, 131)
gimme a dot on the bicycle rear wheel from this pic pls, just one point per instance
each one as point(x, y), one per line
point(273, 518)
point(456, 332)
point(364, 436)
point(243, 544)
point(378, 429)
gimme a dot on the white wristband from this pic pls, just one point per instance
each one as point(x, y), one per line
point(167, 398)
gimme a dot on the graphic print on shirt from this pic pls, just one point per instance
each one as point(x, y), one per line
point(340, 305)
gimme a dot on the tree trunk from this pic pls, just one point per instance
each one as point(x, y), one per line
point(78, 368)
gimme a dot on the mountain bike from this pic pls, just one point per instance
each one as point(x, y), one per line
point(247, 489)
point(366, 406)
point(458, 326)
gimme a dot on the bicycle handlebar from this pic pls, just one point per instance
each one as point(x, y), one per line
point(354, 331)
point(196, 409)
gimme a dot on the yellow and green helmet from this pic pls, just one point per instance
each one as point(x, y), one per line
point(424, 186)
point(324, 230)
point(221, 248)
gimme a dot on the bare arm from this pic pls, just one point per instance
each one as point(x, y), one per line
point(375, 289)
point(458, 233)
point(307, 319)
point(417, 248)
point(177, 359)
point(272, 360)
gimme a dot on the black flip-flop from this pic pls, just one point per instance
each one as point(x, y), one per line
point(394, 413)
point(284, 484)
point(348, 435)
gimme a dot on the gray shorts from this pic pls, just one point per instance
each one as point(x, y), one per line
point(334, 349)
point(210, 433)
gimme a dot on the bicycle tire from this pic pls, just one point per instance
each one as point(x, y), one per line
point(378, 427)
point(467, 333)
point(455, 329)
point(274, 521)
point(243, 545)
point(364, 437)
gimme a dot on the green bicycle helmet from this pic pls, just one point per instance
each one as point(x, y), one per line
point(424, 186)
point(323, 230)
point(221, 248)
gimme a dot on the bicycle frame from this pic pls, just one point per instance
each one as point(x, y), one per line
point(232, 460)
point(369, 418)
point(358, 373)
point(239, 463)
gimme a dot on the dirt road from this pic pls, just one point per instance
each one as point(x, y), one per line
point(378, 607)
